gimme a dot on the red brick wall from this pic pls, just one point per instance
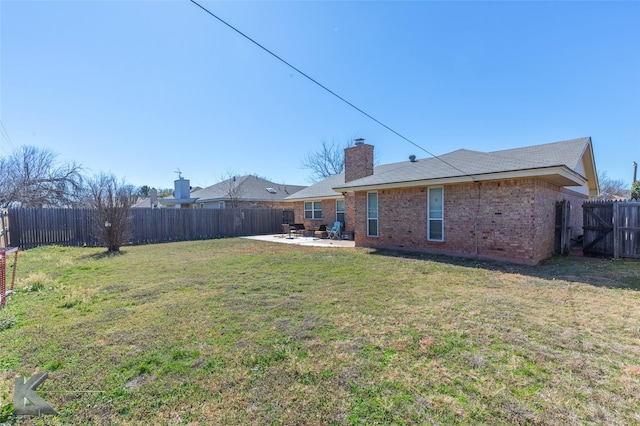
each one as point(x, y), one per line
point(350, 212)
point(328, 214)
point(547, 195)
point(511, 219)
point(358, 162)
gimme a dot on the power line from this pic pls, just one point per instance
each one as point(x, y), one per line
point(5, 135)
point(323, 86)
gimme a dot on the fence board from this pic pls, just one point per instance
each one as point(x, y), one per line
point(612, 228)
point(76, 227)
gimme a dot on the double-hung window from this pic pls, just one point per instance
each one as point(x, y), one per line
point(372, 214)
point(313, 209)
point(340, 211)
point(435, 226)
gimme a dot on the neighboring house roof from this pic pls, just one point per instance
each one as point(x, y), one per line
point(566, 163)
point(243, 188)
point(322, 189)
point(143, 203)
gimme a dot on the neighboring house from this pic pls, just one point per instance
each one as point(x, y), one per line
point(142, 203)
point(496, 205)
point(151, 202)
point(237, 192)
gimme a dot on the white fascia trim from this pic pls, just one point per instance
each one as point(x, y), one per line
point(338, 196)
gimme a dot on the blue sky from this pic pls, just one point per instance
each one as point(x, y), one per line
point(142, 88)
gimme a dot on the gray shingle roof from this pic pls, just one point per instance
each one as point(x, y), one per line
point(460, 163)
point(246, 188)
point(322, 189)
point(144, 203)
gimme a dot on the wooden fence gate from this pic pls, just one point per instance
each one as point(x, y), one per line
point(287, 216)
point(612, 228)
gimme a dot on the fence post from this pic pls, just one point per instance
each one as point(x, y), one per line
point(616, 227)
point(566, 229)
point(4, 229)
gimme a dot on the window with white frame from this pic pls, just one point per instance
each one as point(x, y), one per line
point(435, 222)
point(313, 209)
point(340, 211)
point(372, 214)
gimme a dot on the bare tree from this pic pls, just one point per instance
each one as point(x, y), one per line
point(113, 200)
point(31, 177)
point(230, 184)
point(326, 161)
point(611, 188)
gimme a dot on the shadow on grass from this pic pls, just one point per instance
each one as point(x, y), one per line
point(599, 272)
point(104, 255)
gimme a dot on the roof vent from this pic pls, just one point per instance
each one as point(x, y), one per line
point(359, 141)
point(412, 158)
point(271, 191)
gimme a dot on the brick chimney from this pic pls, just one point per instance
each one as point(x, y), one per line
point(358, 161)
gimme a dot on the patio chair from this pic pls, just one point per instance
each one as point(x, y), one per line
point(321, 232)
point(286, 229)
point(334, 233)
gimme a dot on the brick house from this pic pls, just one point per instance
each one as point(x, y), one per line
point(495, 205)
point(246, 192)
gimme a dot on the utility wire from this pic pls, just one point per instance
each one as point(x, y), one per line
point(323, 86)
point(5, 135)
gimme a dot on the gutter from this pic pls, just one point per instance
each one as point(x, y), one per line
point(562, 171)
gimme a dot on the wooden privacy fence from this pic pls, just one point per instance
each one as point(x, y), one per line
point(76, 227)
point(612, 228)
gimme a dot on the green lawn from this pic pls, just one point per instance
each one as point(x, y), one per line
point(239, 332)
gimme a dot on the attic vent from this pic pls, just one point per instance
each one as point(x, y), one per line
point(412, 158)
point(271, 191)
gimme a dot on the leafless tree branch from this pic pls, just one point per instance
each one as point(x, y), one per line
point(326, 161)
point(230, 184)
point(31, 177)
point(611, 188)
point(112, 200)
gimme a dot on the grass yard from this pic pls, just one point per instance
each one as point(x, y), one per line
point(240, 332)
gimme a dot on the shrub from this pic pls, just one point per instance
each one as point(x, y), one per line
point(6, 321)
point(635, 190)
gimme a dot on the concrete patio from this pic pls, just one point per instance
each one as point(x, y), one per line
point(302, 241)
